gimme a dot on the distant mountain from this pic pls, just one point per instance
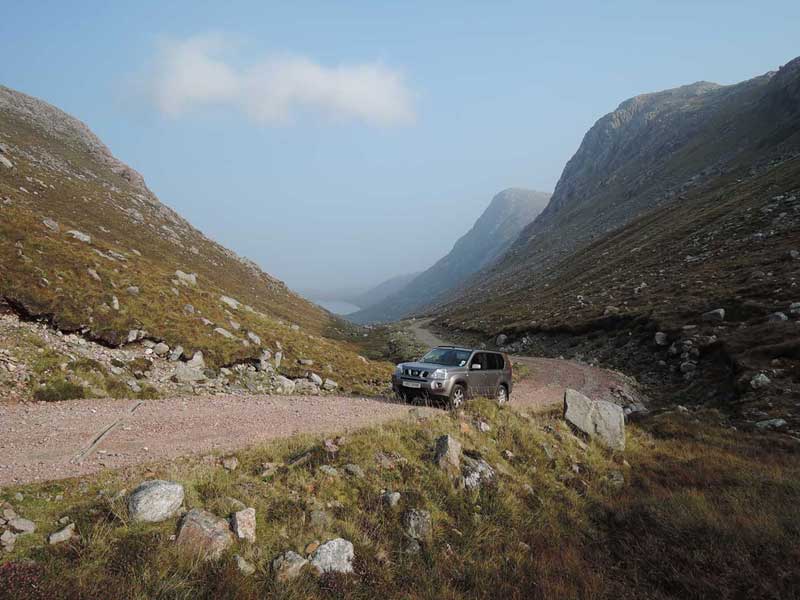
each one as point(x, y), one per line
point(383, 290)
point(85, 245)
point(492, 234)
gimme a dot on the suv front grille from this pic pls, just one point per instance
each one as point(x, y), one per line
point(415, 372)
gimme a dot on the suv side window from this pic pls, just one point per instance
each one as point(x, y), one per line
point(479, 358)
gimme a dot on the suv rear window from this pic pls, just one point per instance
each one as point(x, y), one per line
point(496, 362)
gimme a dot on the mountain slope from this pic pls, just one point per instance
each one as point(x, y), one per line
point(383, 290)
point(726, 237)
point(649, 152)
point(87, 246)
point(490, 236)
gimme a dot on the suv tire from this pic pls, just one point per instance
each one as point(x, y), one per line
point(457, 396)
point(502, 395)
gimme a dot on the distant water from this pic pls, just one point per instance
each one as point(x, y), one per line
point(338, 307)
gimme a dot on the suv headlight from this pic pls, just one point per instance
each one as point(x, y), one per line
point(439, 374)
point(398, 370)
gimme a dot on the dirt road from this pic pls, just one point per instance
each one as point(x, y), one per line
point(46, 441)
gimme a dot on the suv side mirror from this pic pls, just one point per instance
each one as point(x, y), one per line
point(475, 367)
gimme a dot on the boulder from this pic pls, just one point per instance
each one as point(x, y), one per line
point(417, 524)
point(155, 501)
point(329, 385)
point(243, 524)
point(778, 316)
point(80, 236)
point(51, 225)
point(304, 386)
point(661, 338)
point(284, 385)
point(22, 526)
point(230, 463)
point(176, 354)
point(223, 332)
point(759, 381)
point(771, 424)
point(305, 362)
point(598, 419)
point(390, 499)
point(245, 567)
point(160, 349)
point(716, 315)
point(132, 290)
point(448, 453)
point(287, 566)
point(230, 302)
point(197, 361)
point(315, 379)
point(188, 279)
point(334, 556)
point(254, 338)
point(7, 540)
point(204, 534)
point(62, 535)
point(501, 340)
point(184, 373)
point(476, 472)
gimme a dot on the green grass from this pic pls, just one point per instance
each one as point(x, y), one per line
point(704, 511)
point(59, 389)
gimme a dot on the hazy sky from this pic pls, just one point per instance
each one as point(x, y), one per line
point(339, 143)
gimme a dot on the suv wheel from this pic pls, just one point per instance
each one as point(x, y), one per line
point(502, 395)
point(457, 396)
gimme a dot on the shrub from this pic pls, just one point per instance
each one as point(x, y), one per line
point(60, 389)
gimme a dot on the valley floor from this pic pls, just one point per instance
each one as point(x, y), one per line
point(47, 441)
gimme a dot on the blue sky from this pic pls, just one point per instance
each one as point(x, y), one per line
point(340, 143)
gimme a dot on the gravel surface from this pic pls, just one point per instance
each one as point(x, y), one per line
point(40, 441)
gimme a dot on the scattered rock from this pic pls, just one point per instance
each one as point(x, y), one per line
point(661, 338)
point(254, 338)
point(334, 556)
point(597, 418)
point(160, 349)
point(306, 362)
point(616, 479)
point(204, 534)
point(329, 385)
point(284, 385)
point(484, 427)
point(176, 354)
point(319, 520)
point(315, 379)
point(7, 540)
point(224, 332)
point(184, 373)
point(771, 424)
point(80, 236)
point(188, 279)
point(417, 524)
point(716, 315)
point(354, 470)
point(268, 469)
point(62, 535)
point(759, 381)
point(288, 566)
point(22, 526)
point(777, 316)
point(448, 453)
point(476, 472)
point(155, 500)
point(243, 524)
point(501, 340)
point(230, 302)
point(390, 499)
point(329, 470)
point(304, 386)
point(245, 567)
point(230, 463)
point(197, 361)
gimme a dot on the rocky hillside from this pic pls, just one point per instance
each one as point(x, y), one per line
point(492, 234)
point(88, 248)
point(697, 293)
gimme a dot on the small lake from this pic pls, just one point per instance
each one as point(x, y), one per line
point(338, 307)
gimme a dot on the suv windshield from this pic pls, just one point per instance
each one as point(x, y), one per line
point(448, 357)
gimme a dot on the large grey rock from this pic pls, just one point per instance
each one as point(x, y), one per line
point(501, 340)
point(223, 332)
point(52, 225)
point(160, 349)
point(188, 279)
point(62, 535)
point(155, 500)
point(304, 386)
point(284, 385)
point(717, 314)
point(661, 338)
point(778, 316)
point(22, 526)
point(759, 381)
point(599, 419)
point(188, 374)
point(417, 524)
point(329, 385)
point(448, 453)
point(476, 473)
point(80, 236)
point(315, 379)
point(197, 361)
point(288, 565)
point(230, 302)
point(243, 524)
point(255, 338)
point(334, 556)
point(204, 534)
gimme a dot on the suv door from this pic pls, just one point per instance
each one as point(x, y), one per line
point(478, 377)
point(494, 373)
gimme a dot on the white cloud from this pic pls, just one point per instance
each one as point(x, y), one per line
point(194, 73)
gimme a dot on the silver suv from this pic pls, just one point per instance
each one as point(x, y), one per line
point(455, 374)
